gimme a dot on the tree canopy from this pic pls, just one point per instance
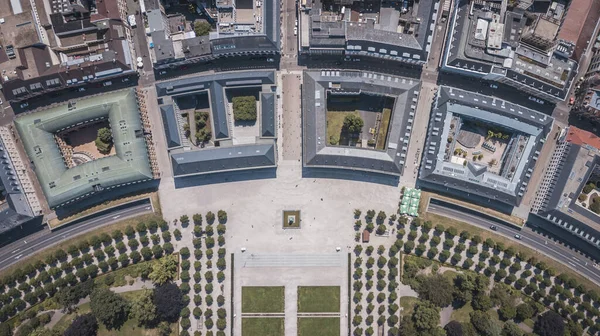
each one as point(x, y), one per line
point(164, 270)
point(244, 108)
point(549, 324)
point(426, 316)
point(436, 289)
point(353, 123)
point(168, 301)
point(202, 28)
point(83, 325)
point(109, 308)
point(104, 140)
point(143, 309)
point(454, 328)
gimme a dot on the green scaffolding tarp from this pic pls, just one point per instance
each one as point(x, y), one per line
point(404, 209)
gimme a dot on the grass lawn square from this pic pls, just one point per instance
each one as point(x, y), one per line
point(263, 326)
point(263, 300)
point(319, 299)
point(335, 126)
point(383, 129)
point(321, 326)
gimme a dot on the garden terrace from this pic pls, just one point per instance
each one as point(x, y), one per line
point(199, 113)
point(385, 105)
point(479, 146)
point(375, 111)
point(65, 183)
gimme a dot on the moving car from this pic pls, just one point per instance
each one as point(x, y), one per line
point(493, 86)
point(494, 227)
point(295, 31)
point(539, 101)
point(24, 105)
point(518, 236)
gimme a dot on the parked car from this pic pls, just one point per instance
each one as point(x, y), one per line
point(295, 31)
point(571, 101)
point(493, 86)
point(81, 89)
point(162, 73)
point(24, 105)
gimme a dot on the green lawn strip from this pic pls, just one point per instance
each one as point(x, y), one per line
point(408, 305)
point(263, 326)
point(321, 326)
point(129, 328)
point(335, 123)
point(383, 128)
point(319, 299)
point(462, 314)
point(263, 299)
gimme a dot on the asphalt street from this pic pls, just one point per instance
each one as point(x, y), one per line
point(28, 246)
point(543, 245)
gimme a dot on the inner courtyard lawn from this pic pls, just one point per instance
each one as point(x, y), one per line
point(324, 299)
point(263, 326)
point(321, 326)
point(263, 299)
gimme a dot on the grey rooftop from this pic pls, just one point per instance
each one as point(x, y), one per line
point(473, 179)
point(316, 152)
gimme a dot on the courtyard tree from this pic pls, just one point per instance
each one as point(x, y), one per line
point(353, 123)
point(202, 28)
point(244, 108)
point(104, 140)
point(453, 328)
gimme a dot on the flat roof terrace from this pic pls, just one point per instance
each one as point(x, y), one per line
point(528, 130)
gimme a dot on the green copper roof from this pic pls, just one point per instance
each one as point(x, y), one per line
point(62, 185)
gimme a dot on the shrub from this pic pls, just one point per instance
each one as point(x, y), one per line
point(244, 108)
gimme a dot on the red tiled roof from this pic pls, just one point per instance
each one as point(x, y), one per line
point(579, 24)
point(580, 137)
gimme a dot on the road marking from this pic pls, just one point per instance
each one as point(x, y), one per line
point(572, 264)
point(19, 256)
point(115, 217)
point(13, 252)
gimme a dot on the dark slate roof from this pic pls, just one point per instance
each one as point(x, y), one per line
point(316, 152)
point(455, 60)
point(221, 159)
point(267, 114)
point(215, 84)
point(63, 28)
point(163, 45)
point(325, 34)
point(16, 211)
point(243, 44)
point(514, 117)
point(197, 46)
point(170, 126)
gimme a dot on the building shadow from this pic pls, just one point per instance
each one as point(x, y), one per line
point(225, 177)
point(353, 175)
